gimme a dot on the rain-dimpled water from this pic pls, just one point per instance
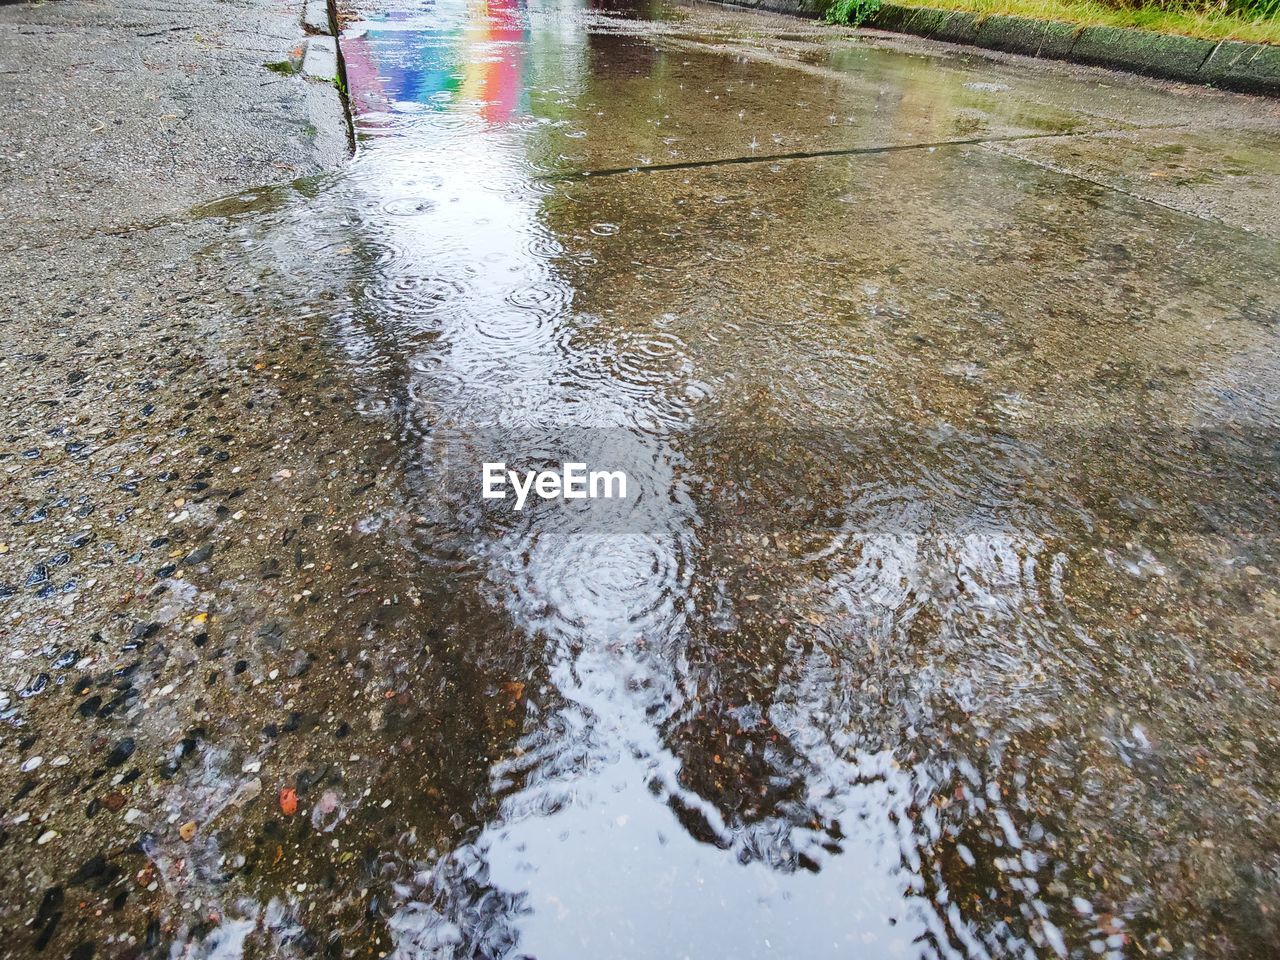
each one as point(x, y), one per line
point(940, 618)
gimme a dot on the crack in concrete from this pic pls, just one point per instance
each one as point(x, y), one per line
point(95, 234)
point(903, 147)
point(781, 157)
point(836, 152)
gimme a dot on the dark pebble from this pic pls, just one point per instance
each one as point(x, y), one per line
point(91, 869)
point(35, 686)
point(121, 752)
point(49, 905)
point(45, 935)
point(198, 555)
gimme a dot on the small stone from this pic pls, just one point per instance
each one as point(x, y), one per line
point(121, 752)
point(31, 763)
point(114, 801)
point(132, 815)
point(46, 837)
point(198, 555)
point(187, 831)
point(250, 790)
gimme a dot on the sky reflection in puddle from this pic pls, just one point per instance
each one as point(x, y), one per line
point(859, 675)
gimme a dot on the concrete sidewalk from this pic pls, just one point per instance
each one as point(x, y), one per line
point(138, 370)
point(124, 114)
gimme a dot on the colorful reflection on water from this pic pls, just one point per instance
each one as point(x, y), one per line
point(471, 58)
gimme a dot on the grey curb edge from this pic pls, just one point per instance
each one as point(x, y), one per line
point(1229, 64)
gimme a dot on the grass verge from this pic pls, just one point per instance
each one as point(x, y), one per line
point(1259, 23)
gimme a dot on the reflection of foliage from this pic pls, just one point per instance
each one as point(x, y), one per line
point(1260, 9)
point(851, 12)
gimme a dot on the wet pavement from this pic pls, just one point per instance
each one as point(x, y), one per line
point(941, 620)
point(120, 116)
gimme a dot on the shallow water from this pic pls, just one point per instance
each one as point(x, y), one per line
point(942, 619)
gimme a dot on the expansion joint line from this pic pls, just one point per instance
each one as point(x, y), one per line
point(798, 155)
point(902, 148)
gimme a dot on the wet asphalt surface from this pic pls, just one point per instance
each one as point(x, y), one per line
point(943, 622)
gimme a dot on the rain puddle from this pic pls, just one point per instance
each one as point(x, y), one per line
point(941, 619)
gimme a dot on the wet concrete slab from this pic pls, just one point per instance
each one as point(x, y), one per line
point(722, 87)
point(122, 115)
point(1224, 174)
point(945, 625)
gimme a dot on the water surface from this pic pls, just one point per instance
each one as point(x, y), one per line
point(944, 622)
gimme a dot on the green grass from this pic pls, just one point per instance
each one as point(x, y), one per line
point(852, 12)
point(1253, 20)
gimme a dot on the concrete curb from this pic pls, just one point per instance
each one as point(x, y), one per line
point(320, 19)
point(321, 60)
point(315, 17)
point(322, 63)
point(1230, 64)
